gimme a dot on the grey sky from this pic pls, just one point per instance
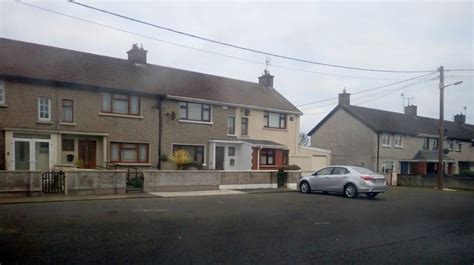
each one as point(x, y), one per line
point(386, 35)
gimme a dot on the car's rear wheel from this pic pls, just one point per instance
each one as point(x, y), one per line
point(350, 191)
point(372, 195)
point(304, 187)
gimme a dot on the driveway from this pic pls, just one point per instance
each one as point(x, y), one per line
point(403, 226)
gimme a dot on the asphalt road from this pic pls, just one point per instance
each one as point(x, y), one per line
point(403, 226)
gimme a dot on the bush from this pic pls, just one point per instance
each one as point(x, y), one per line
point(180, 158)
point(193, 165)
point(289, 167)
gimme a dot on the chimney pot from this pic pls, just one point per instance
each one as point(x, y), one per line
point(266, 79)
point(137, 55)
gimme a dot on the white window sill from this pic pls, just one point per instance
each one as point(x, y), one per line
point(44, 122)
point(68, 123)
point(386, 146)
point(120, 115)
point(198, 122)
point(232, 135)
point(275, 129)
point(399, 146)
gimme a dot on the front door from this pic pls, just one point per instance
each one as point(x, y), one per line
point(87, 153)
point(220, 157)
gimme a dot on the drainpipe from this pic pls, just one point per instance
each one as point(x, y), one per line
point(378, 151)
point(159, 103)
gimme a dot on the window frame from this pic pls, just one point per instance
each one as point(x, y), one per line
point(175, 147)
point(229, 153)
point(285, 157)
point(231, 129)
point(458, 147)
point(3, 93)
point(204, 107)
point(49, 109)
point(434, 143)
point(386, 136)
point(68, 150)
point(267, 152)
point(137, 149)
point(400, 137)
point(128, 100)
point(242, 132)
point(282, 117)
point(426, 143)
point(72, 110)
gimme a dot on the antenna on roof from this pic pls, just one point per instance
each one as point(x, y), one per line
point(465, 110)
point(267, 64)
point(408, 99)
point(403, 98)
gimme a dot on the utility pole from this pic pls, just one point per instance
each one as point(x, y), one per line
point(441, 129)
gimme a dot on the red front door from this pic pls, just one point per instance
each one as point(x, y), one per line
point(87, 153)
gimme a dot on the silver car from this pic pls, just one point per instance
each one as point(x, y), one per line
point(349, 180)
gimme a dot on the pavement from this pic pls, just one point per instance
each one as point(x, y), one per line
point(62, 198)
point(402, 226)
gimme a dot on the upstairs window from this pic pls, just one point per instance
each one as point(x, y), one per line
point(2, 92)
point(44, 109)
point(398, 140)
point(120, 104)
point(231, 125)
point(67, 110)
point(274, 120)
point(458, 147)
point(244, 126)
point(434, 143)
point(426, 143)
point(451, 146)
point(386, 139)
point(194, 111)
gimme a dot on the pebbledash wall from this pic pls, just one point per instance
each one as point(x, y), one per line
point(464, 183)
point(84, 182)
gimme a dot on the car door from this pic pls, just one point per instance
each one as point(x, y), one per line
point(337, 179)
point(318, 180)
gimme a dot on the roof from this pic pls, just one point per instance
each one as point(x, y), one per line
point(394, 122)
point(425, 155)
point(262, 142)
point(40, 62)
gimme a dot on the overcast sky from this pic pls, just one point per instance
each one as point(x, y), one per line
point(381, 35)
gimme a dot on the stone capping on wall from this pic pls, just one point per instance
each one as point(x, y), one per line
point(463, 183)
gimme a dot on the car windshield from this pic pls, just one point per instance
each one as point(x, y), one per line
point(362, 170)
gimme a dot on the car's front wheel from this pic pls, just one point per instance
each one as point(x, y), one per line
point(304, 187)
point(350, 191)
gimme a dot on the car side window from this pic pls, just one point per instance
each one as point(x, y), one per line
point(339, 171)
point(324, 171)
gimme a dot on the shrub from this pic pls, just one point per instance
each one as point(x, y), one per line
point(180, 158)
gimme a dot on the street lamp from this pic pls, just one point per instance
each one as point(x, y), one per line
point(441, 126)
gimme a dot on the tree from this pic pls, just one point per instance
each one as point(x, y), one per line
point(180, 158)
point(303, 139)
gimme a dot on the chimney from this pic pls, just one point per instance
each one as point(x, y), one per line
point(411, 110)
point(266, 79)
point(460, 118)
point(137, 55)
point(344, 98)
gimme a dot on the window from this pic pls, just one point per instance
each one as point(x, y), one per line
point(68, 145)
point(2, 92)
point(244, 126)
point(44, 109)
point(324, 171)
point(426, 143)
point(231, 125)
point(434, 143)
point(386, 139)
point(388, 166)
point(231, 151)
point(195, 151)
point(194, 111)
point(68, 110)
point(274, 120)
point(129, 153)
point(398, 140)
point(458, 147)
point(267, 157)
point(451, 146)
point(120, 104)
point(285, 157)
point(339, 171)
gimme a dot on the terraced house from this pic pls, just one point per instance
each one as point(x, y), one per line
point(403, 142)
point(63, 108)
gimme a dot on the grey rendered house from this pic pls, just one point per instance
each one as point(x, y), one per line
point(61, 108)
point(403, 142)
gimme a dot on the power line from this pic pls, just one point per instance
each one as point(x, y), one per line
point(244, 48)
point(458, 70)
point(370, 89)
point(194, 48)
